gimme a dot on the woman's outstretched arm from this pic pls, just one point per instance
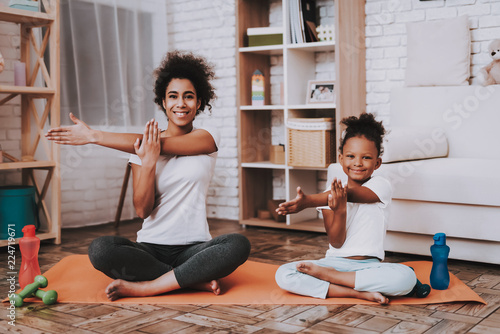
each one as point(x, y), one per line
point(144, 175)
point(196, 142)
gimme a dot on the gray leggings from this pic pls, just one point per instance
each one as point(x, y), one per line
point(120, 258)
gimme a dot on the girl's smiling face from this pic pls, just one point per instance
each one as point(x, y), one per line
point(359, 159)
point(181, 102)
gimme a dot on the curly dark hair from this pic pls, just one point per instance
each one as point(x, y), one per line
point(185, 65)
point(365, 126)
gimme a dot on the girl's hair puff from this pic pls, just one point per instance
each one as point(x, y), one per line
point(365, 125)
point(185, 65)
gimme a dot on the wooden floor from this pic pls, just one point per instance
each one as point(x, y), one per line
point(270, 246)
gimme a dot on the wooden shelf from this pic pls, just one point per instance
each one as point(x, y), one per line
point(264, 50)
point(262, 164)
point(313, 46)
point(26, 164)
point(267, 107)
point(313, 106)
point(42, 92)
point(36, 116)
point(256, 125)
point(315, 225)
point(41, 235)
point(25, 17)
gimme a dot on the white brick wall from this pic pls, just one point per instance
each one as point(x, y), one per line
point(386, 40)
point(208, 28)
point(90, 190)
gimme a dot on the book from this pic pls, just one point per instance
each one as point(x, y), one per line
point(308, 11)
point(303, 21)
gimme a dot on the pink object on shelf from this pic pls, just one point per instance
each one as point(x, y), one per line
point(19, 74)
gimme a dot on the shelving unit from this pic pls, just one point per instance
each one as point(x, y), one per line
point(299, 66)
point(39, 162)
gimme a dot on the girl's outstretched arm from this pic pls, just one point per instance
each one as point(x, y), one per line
point(361, 194)
point(301, 202)
point(335, 219)
point(193, 143)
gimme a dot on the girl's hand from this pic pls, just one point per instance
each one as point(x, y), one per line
point(149, 149)
point(78, 134)
point(293, 206)
point(337, 199)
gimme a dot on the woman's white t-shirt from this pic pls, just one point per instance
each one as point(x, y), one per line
point(179, 216)
point(366, 224)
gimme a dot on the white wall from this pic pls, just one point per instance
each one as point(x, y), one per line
point(90, 189)
point(386, 40)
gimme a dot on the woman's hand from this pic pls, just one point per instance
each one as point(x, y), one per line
point(78, 134)
point(337, 199)
point(149, 149)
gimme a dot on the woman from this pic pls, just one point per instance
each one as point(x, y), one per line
point(171, 170)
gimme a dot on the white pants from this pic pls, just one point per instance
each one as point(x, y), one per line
point(390, 279)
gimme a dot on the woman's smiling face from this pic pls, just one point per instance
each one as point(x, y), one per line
point(181, 102)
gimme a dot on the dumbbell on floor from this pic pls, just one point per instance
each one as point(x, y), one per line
point(48, 297)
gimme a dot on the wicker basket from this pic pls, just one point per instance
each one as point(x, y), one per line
point(311, 142)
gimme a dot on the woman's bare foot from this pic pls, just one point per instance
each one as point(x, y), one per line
point(120, 288)
point(212, 286)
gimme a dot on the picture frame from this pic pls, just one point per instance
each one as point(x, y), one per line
point(320, 91)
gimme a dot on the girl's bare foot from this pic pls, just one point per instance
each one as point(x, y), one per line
point(120, 288)
point(323, 273)
point(375, 297)
point(212, 286)
point(346, 287)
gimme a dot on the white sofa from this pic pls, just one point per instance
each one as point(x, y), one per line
point(458, 194)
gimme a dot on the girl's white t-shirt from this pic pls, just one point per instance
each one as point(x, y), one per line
point(366, 223)
point(179, 216)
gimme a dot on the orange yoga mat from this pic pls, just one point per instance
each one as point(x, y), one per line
point(76, 281)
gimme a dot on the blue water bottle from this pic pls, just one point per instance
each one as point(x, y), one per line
point(440, 277)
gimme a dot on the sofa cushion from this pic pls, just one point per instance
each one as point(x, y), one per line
point(438, 52)
point(405, 143)
point(450, 180)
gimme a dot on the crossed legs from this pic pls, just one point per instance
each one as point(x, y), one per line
point(144, 269)
point(340, 277)
point(341, 283)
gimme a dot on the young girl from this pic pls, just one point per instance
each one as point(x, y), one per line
point(174, 248)
point(355, 222)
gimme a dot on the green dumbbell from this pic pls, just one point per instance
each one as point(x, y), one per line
point(32, 290)
point(48, 297)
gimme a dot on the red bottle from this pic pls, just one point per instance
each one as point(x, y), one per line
point(29, 245)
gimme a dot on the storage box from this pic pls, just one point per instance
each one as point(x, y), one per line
point(272, 205)
point(17, 209)
point(24, 4)
point(263, 214)
point(277, 154)
point(265, 36)
point(311, 142)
